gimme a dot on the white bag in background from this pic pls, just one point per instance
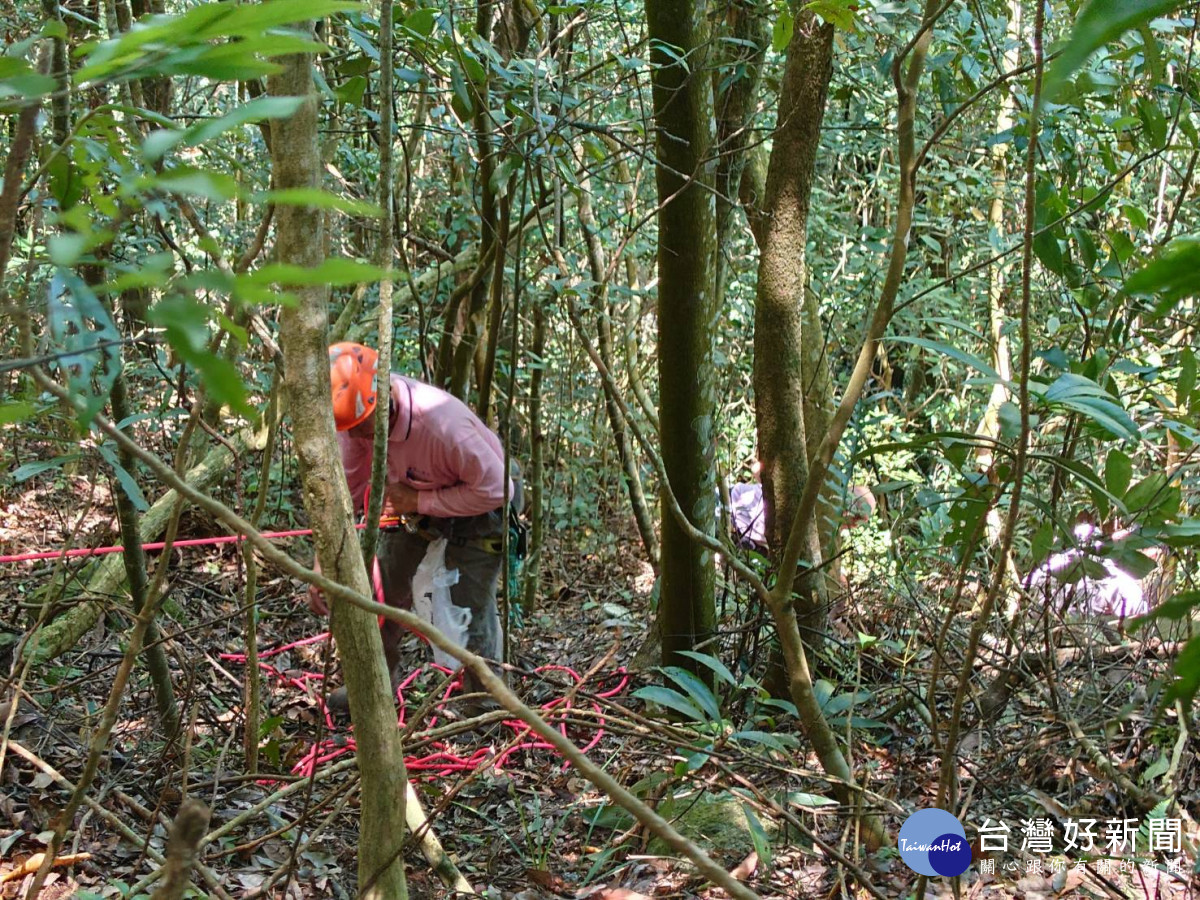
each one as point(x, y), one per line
point(431, 600)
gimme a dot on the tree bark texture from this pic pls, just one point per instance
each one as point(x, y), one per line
point(687, 310)
point(781, 340)
point(296, 163)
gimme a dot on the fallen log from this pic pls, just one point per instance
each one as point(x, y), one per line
point(57, 637)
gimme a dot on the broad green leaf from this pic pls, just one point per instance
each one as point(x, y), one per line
point(949, 350)
point(214, 186)
point(248, 19)
point(1146, 493)
point(1098, 23)
point(805, 800)
point(126, 480)
point(1174, 275)
point(159, 143)
point(17, 411)
point(334, 271)
point(781, 742)
point(27, 471)
point(758, 835)
point(319, 199)
point(1084, 396)
point(1187, 674)
point(1118, 470)
point(81, 327)
point(422, 21)
point(1049, 251)
point(671, 699)
point(351, 91)
point(781, 33)
point(838, 13)
point(1187, 378)
point(697, 690)
point(186, 325)
point(713, 663)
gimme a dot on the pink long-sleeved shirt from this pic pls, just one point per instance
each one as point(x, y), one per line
point(437, 446)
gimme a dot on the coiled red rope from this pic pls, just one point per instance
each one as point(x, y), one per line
point(443, 760)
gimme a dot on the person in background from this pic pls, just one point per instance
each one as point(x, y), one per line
point(445, 479)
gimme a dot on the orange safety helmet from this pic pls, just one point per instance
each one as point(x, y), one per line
point(352, 372)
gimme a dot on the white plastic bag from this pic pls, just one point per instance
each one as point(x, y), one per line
point(431, 600)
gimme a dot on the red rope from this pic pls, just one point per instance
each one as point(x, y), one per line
point(154, 545)
point(442, 760)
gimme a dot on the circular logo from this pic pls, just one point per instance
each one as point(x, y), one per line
point(932, 842)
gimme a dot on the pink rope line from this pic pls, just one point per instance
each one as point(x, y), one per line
point(154, 545)
point(442, 761)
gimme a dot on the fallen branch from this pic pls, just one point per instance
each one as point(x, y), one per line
point(34, 863)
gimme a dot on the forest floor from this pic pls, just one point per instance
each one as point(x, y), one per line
point(519, 824)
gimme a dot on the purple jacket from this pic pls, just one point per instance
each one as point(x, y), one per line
point(437, 446)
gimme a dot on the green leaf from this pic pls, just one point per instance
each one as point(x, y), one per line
point(249, 19)
point(758, 835)
point(81, 327)
point(422, 21)
point(1174, 275)
point(1187, 674)
point(1146, 493)
point(671, 699)
point(808, 801)
point(351, 91)
point(953, 352)
point(17, 411)
point(186, 324)
point(214, 186)
point(1187, 378)
point(1049, 252)
point(333, 271)
point(1082, 395)
point(781, 742)
point(711, 662)
point(838, 13)
point(1097, 24)
point(159, 143)
point(28, 85)
point(127, 482)
point(696, 689)
point(1118, 470)
point(27, 471)
point(319, 199)
point(781, 33)
point(1154, 122)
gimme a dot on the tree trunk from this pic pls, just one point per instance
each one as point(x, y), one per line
point(781, 341)
point(687, 311)
point(989, 425)
point(303, 335)
point(626, 452)
point(535, 480)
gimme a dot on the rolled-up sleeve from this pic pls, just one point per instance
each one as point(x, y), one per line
point(481, 484)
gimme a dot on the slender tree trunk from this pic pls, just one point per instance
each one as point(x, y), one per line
point(782, 344)
point(296, 163)
point(626, 452)
point(687, 311)
point(536, 477)
point(139, 584)
point(989, 426)
point(735, 86)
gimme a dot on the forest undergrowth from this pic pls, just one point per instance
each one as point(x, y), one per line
point(519, 824)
